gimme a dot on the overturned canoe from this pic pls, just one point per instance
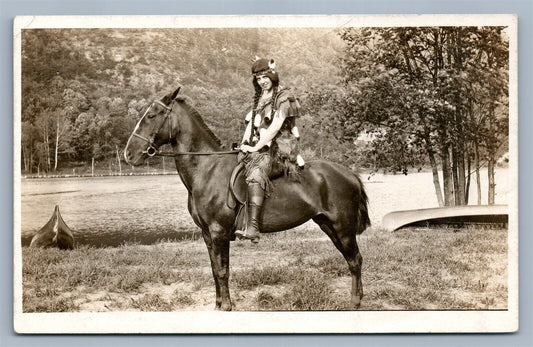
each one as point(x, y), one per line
point(484, 214)
point(55, 233)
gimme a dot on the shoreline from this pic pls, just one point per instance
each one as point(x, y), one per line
point(99, 175)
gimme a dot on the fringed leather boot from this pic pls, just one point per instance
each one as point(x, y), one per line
point(256, 196)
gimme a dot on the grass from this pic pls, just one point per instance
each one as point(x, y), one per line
point(151, 302)
point(255, 276)
point(414, 269)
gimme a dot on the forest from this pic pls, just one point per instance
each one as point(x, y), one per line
point(391, 99)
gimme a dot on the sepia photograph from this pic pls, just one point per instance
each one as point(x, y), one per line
point(266, 174)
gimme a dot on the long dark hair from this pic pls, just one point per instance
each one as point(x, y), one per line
point(257, 96)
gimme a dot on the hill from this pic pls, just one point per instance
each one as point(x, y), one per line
point(83, 89)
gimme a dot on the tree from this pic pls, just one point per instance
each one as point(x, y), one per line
point(419, 86)
point(62, 136)
point(29, 137)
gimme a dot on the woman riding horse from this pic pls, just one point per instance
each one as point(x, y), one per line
point(328, 193)
point(270, 141)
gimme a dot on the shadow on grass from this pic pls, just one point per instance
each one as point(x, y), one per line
point(115, 238)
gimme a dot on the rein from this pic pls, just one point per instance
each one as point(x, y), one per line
point(175, 154)
point(153, 150)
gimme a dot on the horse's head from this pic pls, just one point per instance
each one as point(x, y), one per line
point(153, 130)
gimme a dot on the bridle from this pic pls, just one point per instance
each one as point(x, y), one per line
point(153, 149)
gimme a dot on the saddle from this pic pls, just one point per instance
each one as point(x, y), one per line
point(237, 196)
point(238, 193)
point(238, 189)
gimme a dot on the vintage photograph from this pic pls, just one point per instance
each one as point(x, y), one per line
point(298, 171)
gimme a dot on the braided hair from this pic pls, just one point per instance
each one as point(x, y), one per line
point(257, 96)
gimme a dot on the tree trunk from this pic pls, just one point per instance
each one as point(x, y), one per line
point(492, 183)
point(458, 153)
point(432, 161)
point(455, 178)
point(436, 181)
point(469, 167)
point(46, 146)
point(461, 183)
point(48, 158)
point(25, 159)
point(92, 167)
point(57, 143)
point(491, 160)
point(459, 113)
point(447, 178)
point(118, 160)
point(478, 176)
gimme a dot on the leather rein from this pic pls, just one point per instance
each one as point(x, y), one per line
point(153, 150)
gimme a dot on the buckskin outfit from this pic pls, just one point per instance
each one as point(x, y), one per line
point(274, 157)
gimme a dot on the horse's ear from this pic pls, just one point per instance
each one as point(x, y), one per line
point(175, 93)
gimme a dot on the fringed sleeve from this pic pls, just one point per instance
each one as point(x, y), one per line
point(286, 148)
point(287, 103)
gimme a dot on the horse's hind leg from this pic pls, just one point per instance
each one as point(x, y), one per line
point(344, 239)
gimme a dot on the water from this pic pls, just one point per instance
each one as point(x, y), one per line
point(108, 211)
point(388, 193)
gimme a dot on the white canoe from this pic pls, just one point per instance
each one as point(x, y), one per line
point(446, 215)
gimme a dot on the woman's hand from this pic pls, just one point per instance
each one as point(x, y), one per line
point(247, 149)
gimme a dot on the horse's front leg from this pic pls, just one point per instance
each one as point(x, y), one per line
point(212, 256)
point(217, 241)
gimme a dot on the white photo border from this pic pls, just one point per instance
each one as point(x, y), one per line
point(273, 322)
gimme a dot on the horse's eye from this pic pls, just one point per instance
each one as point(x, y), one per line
point(151, 115)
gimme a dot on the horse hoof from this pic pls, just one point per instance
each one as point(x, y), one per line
point(223, 308)
point(356, 303)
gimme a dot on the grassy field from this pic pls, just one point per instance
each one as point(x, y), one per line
point(413, 269)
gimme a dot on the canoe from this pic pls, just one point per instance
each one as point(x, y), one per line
point(482, 214)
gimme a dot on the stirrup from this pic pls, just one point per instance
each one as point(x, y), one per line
point(241, 235)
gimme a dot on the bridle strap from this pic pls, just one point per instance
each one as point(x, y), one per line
point(168, 108)
point(152, 149)
point(142, 137)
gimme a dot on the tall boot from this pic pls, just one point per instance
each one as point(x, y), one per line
point(256, 196)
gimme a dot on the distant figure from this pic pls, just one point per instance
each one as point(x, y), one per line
point(270, 140)
point(55, 233)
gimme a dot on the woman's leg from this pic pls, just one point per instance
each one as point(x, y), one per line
point(257, 172)
point(255, 205)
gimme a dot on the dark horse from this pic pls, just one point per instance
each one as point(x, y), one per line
point(328, 193)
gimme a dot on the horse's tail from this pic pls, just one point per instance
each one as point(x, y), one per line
point(363, 220)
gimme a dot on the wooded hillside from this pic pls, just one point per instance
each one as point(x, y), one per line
point(83, 89)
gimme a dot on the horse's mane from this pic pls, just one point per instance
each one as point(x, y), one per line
point(188, 107)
